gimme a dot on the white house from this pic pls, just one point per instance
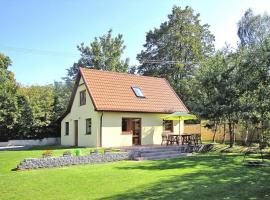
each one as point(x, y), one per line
point(112, 109)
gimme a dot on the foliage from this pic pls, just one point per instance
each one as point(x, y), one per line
point(61, 93)
point(5, 61)
point(8, 99)
point(47, 153)
point(256, 67)
point(232, 87)
point(101, 151)
point(176, 49)
point(216, 95)
point(29, 111)
point(36, 112)
point(40, 99)
point(104, 53)
point(253, 29)
point(78, 152)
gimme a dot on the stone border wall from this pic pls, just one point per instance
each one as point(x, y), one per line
point(36, 142)
point(50, 162)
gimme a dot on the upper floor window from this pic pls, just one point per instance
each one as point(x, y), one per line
point(138, 92)
point(66, 128)
point(82, 97)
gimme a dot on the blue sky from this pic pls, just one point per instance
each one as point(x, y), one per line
point(41, 36)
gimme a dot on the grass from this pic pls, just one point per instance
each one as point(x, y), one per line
point(204, 176)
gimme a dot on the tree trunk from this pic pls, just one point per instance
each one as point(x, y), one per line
point(215, 131)
point(246, 136)
point(224, 134)
point(231, 134)
point(234, 135)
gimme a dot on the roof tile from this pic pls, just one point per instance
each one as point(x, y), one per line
point(112, 91)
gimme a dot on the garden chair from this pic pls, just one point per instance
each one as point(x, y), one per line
point(197, 139)
point(165, 138)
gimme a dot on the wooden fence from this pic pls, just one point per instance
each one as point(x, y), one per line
point(207, 133)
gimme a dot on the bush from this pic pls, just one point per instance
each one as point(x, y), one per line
point(67, 153)
point(78, 152)
point(47, 153)
point(101, 151)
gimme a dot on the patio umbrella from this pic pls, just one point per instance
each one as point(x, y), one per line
point(179, 116)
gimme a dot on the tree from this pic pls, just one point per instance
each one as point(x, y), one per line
point(5, 61)
point(38, 101)
point(8, 98)
point(215, 92)
point(24, 127)
point(29, 112)
point(103, 53)
point(176, 49)
point(253, 29)
point(256, 70)
point(61, 97)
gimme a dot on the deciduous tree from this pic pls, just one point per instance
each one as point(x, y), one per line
point(176, 49)
point(103, 53)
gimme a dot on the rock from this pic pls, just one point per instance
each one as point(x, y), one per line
point(49, 162)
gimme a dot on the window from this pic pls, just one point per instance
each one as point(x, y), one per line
point(168, 125)
point(88, 126)
point(138, 92)
point(66, 128)
point(83, 97)
point(125, 125)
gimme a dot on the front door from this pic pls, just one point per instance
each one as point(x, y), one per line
point(76, 132)
point(136, 131)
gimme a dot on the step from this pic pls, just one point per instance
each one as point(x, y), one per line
point(161, 157)
point(153, 148)
point(162, 150)
point(158, 149)
point(156, 153)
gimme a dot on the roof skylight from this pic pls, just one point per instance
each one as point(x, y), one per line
point(138, 92)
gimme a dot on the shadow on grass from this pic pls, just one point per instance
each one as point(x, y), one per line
point(205, 177)
point(188, 162)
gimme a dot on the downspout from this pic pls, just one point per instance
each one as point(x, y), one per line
point(100, 130)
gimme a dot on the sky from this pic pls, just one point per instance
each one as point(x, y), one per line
point(41, 36)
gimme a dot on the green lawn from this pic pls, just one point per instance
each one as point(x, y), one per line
point(204, 176)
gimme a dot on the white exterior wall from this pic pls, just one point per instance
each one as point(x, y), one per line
point(152, 128)
point(81, 113)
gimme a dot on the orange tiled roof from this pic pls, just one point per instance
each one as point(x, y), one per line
point(112, 91)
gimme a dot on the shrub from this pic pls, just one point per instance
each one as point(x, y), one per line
point(78, 152)
point(67, 153)
point(101, 151)
point(47, 153)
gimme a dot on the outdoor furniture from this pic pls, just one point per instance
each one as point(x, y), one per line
point(197, 139)
point(164, 138)
point(173, 139)
point(189, 139)
point(186, 139)
point(170, 138)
